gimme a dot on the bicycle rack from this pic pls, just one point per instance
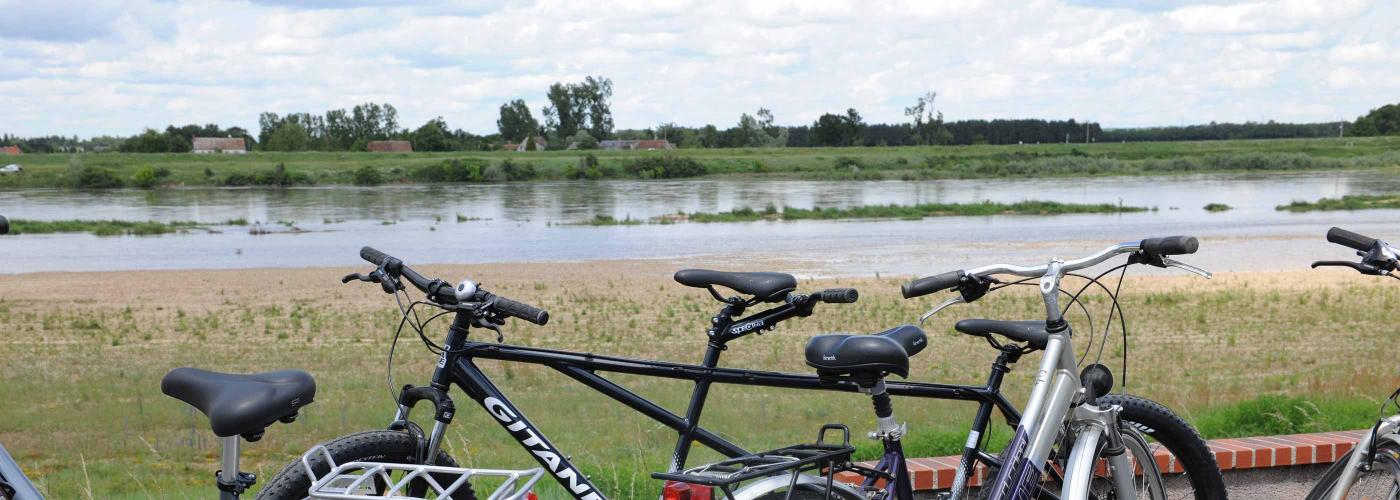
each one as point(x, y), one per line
point(727, 474)
point(356, 480)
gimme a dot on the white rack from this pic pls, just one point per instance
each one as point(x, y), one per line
point(356, 480)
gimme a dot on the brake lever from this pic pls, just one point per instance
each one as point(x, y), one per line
point(954, 300)
point(372, 278)
point(1170, 262)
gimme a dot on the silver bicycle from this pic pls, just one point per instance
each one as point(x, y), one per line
point(1065, 412)
point(1372, 469)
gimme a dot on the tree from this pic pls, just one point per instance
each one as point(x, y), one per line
point(574, 106)
point(516, 123)
point(928, 122)
point(1384, 120)
point(583, 140)
point(149, 141)
point(760, 131)
point(433, 136)
point(289, 136)
point(838, 130)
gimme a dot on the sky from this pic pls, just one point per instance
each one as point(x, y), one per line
point(98, 67)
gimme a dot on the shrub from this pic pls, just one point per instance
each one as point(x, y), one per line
point(584, 140)
point(587, 168)
point(367, 176)
point(665, 167)
point(513, 171)
point(148, 177)
point(449, 171)
point(97, 178)
point(277, 177)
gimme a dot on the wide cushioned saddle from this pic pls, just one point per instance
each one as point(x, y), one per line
point(874, 354)
point(241, 404)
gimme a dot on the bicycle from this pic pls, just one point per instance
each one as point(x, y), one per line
point(1075, 412)
point(1372, 468)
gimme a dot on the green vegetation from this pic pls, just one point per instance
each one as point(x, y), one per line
point(106, 227)
point(1348, 202)
point(913, 162)
point(911, 212)
point(1217, 207)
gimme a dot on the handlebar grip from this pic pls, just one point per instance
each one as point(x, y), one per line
point(4, 225)
point(521, 310)
point(1349, 239)
point(373, 256)
point(838, 295)
point(1170, 245)
point(931, 284)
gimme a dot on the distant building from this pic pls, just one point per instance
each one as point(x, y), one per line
point(638, 145)
point(229, 145)
point(9, 150)
point(390, 147)
point(540, 145)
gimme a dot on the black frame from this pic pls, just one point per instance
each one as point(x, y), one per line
point(457, 366)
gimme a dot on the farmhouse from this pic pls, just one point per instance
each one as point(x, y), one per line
point(9, 150)
point(229, 145)
point(390, 147)
point(637, 145)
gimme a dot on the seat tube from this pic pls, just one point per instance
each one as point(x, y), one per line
point(968, 465)
point(697, 405)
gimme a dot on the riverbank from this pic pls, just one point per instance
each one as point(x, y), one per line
point(87, 366)
point(274, 169)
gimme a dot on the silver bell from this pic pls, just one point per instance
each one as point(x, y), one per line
point(465, 290)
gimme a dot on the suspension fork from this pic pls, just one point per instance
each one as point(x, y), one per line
point(436, 392)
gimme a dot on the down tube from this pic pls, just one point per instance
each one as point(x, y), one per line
point(479, 388)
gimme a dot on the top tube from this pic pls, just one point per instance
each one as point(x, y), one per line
point(1073, 265)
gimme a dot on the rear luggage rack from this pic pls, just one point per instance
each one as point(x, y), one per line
point(729, 473)
point(356, 480)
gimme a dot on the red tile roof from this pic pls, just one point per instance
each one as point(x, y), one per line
point(12, 150)
point(219, 144)
point(390, 147)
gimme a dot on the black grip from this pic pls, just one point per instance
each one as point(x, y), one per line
point(521, 310)
point(931, 284)
point(1170, 245)
point(838, 295)
point(4, 225)
point(1349, 239)
point(373, 256)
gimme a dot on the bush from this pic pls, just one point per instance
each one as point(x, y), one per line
point(665, 167)
point(97, 178)
point(513, 171)
point(367, 176)
point(277, 177)
point(584, 140)
point(449, 171)
point(148, 177)
point(587, 168)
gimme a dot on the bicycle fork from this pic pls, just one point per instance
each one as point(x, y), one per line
point(1360, 458)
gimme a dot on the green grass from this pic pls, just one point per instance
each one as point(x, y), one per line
point(878, 212)
point(891, 163)
point(91, 419)
point(109, 227)
point(1349, 202)
point(1217, 207)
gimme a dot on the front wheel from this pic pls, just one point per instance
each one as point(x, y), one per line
point(1189, 470)
point(1380, 480)
point(396, 447)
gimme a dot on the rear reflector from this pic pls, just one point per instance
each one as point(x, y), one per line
point(685, 491)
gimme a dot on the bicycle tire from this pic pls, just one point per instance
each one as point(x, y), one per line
point(370, 446)
point(1179, 438)
point(1387, 456)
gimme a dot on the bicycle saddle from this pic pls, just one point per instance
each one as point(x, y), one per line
point(884, 352)
point(1032, 332)
point(241, 404)
point(768, 287)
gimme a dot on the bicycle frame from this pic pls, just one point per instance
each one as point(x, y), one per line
point(458, 366)
point(1385, 430)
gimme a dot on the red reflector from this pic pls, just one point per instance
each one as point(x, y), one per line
point(685, 491)
point(531, 496)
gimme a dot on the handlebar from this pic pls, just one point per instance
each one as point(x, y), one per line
point(1349, 239)
point(838, 295)
point(443, 293)
point(1155, 247)
point(1377, 257)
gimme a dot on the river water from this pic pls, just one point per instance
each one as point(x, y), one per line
point(532, 222)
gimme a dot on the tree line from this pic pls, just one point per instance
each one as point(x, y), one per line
point(579, 115)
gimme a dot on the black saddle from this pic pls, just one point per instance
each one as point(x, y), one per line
point(241, 404)
point(768, 287)
point(867, 355)
point(1031, 332)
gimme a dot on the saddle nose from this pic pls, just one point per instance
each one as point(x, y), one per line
point(241, 404)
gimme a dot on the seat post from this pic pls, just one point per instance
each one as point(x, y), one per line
point(232, 483)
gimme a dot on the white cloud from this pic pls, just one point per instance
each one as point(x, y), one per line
point(148, 63)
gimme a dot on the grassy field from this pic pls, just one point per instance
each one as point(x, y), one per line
point(107, 169)
point(1350, 202)
point(79, 373)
